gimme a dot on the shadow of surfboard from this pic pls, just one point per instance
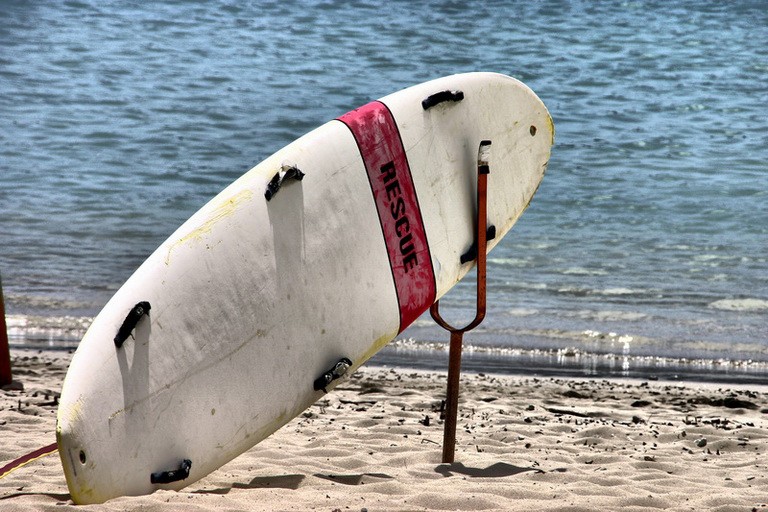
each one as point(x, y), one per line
point(354, 479)
point(292, 482)
point(497, 470)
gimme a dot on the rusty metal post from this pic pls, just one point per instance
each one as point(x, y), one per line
point(5, 355)
point(457, 334)
point(452, 396)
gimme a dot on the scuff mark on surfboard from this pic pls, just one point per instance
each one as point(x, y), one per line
point(224, 210)
point(128, 408)
point(235, 438)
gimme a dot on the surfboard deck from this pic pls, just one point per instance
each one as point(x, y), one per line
point(317, 257)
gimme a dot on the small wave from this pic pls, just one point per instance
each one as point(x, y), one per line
point(51, 328)
point(43, 302)
point(610, 292)
point(713, 257)
point(510, 262)
point(579, 271)
point(748, 305)
point(536, 246)
point(608, 315)
point(520, 312)
point(619, 291)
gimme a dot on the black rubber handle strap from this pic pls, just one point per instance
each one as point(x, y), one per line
point(441, 97)
point(337, 372)
point(287, 173)
point(174, 475)
point(131, 320)
point(471, 253)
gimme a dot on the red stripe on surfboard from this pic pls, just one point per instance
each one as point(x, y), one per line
point(378, 139)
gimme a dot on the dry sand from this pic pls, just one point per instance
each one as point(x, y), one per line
point(374, 444)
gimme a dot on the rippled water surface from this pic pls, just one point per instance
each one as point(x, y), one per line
point(648, 234)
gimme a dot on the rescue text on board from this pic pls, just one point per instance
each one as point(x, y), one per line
point(399, 211)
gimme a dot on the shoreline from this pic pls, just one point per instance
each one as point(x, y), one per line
point(579, 364)
point(526, 362)
point(523, 443)
point(588, 354)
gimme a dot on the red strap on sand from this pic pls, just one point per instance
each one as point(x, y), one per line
point(26, 459)
point(389, 173)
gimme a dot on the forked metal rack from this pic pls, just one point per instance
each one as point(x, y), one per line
point(482, 235)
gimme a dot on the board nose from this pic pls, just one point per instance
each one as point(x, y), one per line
point(78, 462)
point(73, 456)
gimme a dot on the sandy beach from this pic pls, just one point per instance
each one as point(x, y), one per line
point(374, 444)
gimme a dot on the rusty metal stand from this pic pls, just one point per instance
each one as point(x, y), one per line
point(457, 334)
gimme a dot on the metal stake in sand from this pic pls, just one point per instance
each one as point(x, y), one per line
point(457, 335)
point(5, 355)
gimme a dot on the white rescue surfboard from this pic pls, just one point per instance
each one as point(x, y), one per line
point(300, 270)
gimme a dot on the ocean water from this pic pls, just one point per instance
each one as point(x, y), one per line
point(647, 238)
